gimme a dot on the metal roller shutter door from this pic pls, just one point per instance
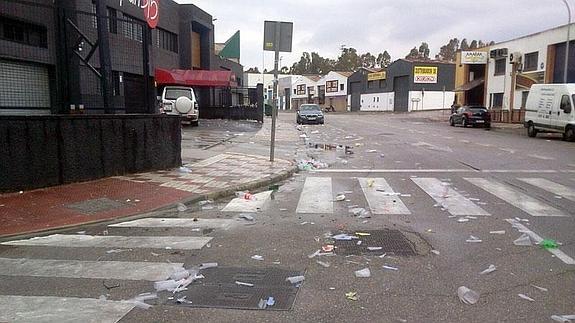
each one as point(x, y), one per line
point(24, 86)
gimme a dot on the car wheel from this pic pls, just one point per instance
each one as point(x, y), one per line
point(451, 122)
point(569, 134)
point(531, 131)
point(464, 123)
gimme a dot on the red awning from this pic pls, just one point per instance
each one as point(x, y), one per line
point(196, 78)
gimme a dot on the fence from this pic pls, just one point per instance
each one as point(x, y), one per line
point(500, 115)
point(236, 104)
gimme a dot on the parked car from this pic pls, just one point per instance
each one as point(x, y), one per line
point(549, 108)
point(182, 101)
point(471, 116)
point(310, 113)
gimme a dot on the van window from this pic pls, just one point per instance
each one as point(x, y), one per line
point(565, 104)
point(173, 94)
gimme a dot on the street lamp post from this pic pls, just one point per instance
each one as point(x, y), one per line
point(567, 44)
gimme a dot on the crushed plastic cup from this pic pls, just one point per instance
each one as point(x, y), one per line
point(363, 273)
point(257, 257)
point(352, 296)
point(207, 265)
point(184, 170)
point(489, 269)
point(180, 274)
point(340, 197)
point(181, 207)
point(525, 297)
point(548, 244)
point(473, 239)
point(295, 279)
point(168, 285)
point(523, 240)
point(467, 296)
point(245, 195)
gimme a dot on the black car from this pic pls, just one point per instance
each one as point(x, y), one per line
point(309, 113)
point(471, 116)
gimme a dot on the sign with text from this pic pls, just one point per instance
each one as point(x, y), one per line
point(376, 76)
point(151, 10)
point(424, 74)
point(285, 36)
point(473, 57)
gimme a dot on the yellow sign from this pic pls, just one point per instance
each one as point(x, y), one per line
point(424, 74)
point(376, 76)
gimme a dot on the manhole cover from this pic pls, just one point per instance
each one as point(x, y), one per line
point(96, 205)
point(219, 289)
point(377, 242)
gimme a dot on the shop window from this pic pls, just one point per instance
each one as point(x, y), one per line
point(500, 65)
point(530, 61)
point(331, 86)
point(24, 33)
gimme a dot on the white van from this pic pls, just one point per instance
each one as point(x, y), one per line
point(182, 101)
point(549, 108)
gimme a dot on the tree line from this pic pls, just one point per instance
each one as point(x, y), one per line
point(349, 60)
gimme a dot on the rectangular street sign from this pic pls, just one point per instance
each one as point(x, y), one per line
point(425, 74)
point(285, 38)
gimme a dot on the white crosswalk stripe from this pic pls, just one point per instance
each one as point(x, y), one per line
point(381, 197)
point(248, 205)
point(555, 188)
point(442, 193)
point(222, 224)
point(47, 309)
point(317, 196)
point(520, 200)
point(88, 241)
point(87, 269)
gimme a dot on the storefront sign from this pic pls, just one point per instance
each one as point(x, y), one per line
point(473, 57)
point(151, 10)
point(425, 74)
point(376, 76)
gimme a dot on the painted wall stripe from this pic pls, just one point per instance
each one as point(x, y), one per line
point(449, 198)
point(316, 196)
point(380, 197)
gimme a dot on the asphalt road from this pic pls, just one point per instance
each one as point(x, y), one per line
point(437, 184)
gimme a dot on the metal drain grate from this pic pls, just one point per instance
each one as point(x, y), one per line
point(390, 241)
point(219, 290)
point(96, 205)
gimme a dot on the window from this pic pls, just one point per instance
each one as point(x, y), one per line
point(341, 87)
point(116, 82)
point(294, 91)
point(167, 40)
point(500, 66)
point(24, 33)
point(497, 100)
point(331, 86)
point(300, 89)
point(112, 21)
point(133, 28)
point(524, 95)
point(372, 84)
point(565, 104)
point(530, 63)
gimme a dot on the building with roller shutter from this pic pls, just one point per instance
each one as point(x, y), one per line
point(40, 68)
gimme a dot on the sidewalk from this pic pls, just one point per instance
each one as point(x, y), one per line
point(115, 197)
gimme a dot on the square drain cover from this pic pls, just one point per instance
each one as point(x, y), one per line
point(96, 205)
point(390, 241)
point(219, 289)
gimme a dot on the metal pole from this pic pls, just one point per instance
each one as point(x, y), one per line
point(146, 37)
point(275, 95)
point(568, 40)
point(105, 60)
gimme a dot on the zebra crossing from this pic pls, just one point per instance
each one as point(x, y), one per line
point(41, 308)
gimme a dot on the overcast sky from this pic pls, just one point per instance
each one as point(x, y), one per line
point(323, 26)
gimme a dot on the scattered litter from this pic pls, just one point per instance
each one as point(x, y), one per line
point(352, 296)
point(435, 252)
point(543, 289)
point(467, 296)
point(315, 132)
point(181, 207)
point(521, 220)
point(405, 195)
point(363, 273)
point(303, 135)
point(244, 284)
point(390, 267)
point(383, 256)
point(110, 286)
point(257, 257)
point(344, 236)
point(183, 300)
point(168, 285)
point(563, 318)
point(207, 207)
point(207, 265)
point(358, 242)
point(558, 197)
point(81, 232)
point(184, 170)
point(283, 210)
point(370, 182)
point(384, 193)
point(245, 195)
point(340, 197)
point(180, 274)
point(489, 269)
point(128, 201)
point(155, 254)
point(323, 263)
point(374, 248)
point(461, 220)
point(525, 297)
point(327, 248)
point(371, 151)
point(204, 202)
point(548, 244)
point(295, 279)
point(471, 217)
point(473, 239)
point(523, 240)
point(102, 297)
point(360, 212)
point(246, 217)
point(310, 164)
point(497, 232)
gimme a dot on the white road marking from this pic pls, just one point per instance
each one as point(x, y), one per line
point(511, 151)
point(151, 271)
point(316, 196)
point(381, 197)
point(552, 187)
point(243, 205)
point(432, 147)
point(399, 170)
point(484, 145)
point(541, 157)
point(535, 171)
point(537, 239)
point(61, 309)
point(522, 201)
point(88, 241)
point(455, 203)
point(223, 224)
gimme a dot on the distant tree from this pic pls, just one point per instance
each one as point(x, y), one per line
point(284, 70)
point(368, 60)
point(383, 59)
point(473, 44)
point(480, 44)
point(423, 51)
point(464, 45)
point(253, 70)
point(413, 53)
point(348, 60)
point(447, 51)
point(265, 70)
point(302, 66)
point(491, 43)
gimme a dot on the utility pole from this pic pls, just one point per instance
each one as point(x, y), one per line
point(275, 95)
point(105, 60)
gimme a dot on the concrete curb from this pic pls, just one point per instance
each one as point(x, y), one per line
point(189, 201)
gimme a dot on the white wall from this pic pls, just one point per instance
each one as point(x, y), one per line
point(377, 101)
point(431, 100)
point(334, 76)
point(307, 82)
point(525, 45)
